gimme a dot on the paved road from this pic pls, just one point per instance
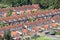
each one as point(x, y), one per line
point(53, 37)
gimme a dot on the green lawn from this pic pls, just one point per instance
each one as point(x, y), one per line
point(57, 33)
point(42, 38)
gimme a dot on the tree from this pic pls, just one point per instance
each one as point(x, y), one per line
point(57, 3)
point(7, 35)
point(2, 24)
point(6, 1)
point(43, 3)
point(49, 3)
point(9, 13)
point(31, 19)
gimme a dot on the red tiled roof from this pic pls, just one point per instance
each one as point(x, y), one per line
point(24, 30)
point(13, 13)
point(36, 28)
point(53, 24)
point(45, 26)
point(14, 33)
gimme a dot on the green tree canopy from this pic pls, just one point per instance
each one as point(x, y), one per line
point(43, 3)
point(7, 35)
point(9, 12)
point(2, 24)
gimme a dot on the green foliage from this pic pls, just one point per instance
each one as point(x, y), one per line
point(9, 12)
point(6, 1)
point(2, 7)
point(32, 11)
point(7, 35)
point(43, 3)
point(42, 38)
point(50, 4)
point(57, 33)
point(31, 19)
point(51, 7)
point(16, 2)
point(2, 24)
point(34, 1)
point(5, 6)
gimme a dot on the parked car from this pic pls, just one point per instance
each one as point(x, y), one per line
point(40, 30)
point(52, 32)
point(46, 32)
point(54, 28)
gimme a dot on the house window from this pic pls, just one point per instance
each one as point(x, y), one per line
point(18, 13)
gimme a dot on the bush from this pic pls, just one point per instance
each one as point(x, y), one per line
point(31, 19)
point(2, 24)
point(9, 12)
point(2, 7)
point(51, 7)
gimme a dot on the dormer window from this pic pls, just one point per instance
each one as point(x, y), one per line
point(34, 17)
point(38, 15)
point(45, 17)
point(14, 10)
point(50, 14)
point(18, 13)
point(55, 12)
point(5, 22)
point(14, 20)
point(24, 18)
point(53, 20)
point(19, 19)
point(42, 15)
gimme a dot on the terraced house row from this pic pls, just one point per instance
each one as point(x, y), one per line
point(20, 9)
point(27, 19)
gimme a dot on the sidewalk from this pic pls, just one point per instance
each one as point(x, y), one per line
point(57, 36)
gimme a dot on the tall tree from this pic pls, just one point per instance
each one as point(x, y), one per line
point(43, 3)
point(7, 1)
point(7, 35)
